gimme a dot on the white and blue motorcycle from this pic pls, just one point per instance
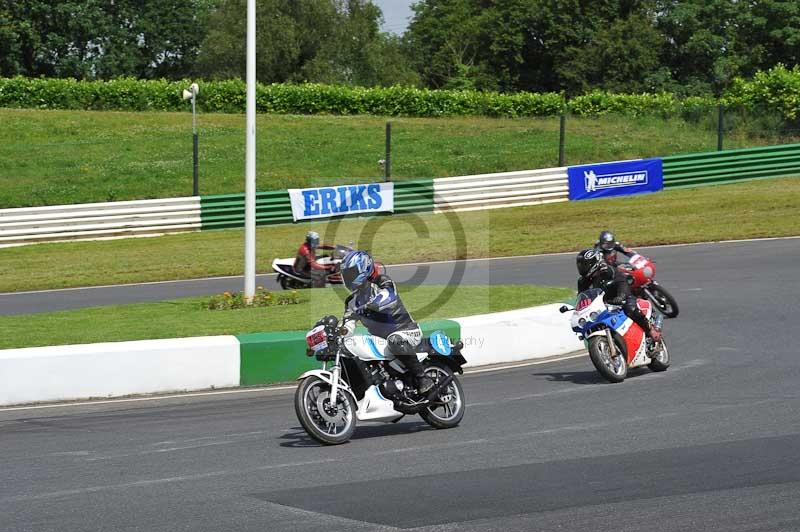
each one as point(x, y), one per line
point(367, 383)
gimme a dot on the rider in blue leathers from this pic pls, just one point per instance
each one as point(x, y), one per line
point(375, 303)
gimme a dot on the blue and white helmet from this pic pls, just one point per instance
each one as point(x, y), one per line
point(357, 267)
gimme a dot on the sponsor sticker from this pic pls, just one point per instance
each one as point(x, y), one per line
point(325, 202)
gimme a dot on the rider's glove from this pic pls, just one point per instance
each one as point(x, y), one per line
point(618, 301)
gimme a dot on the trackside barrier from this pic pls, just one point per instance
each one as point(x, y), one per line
point(729, 166)
point(99, 220)
point(465, 193)
point(227, 211)
point(117, 369)
point(279, 357)
point(184, 364)
point(495, 191)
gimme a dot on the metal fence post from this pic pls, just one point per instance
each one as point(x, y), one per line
point(388, 163)
point(195, 173)
point(720, 126)
point(561, 139)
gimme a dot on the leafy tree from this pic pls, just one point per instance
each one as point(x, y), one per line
point(621, 57)
point(101, 39)
point(331, 41)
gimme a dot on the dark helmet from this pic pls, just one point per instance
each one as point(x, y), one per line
point(589, 261)
point(312, 239)
point(330, 322)
point(607, 241)
point(357, 268)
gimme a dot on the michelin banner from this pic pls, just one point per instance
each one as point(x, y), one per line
point(615, 179)
point(309, 203)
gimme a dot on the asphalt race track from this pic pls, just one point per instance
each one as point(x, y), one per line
point(712, 444)
point(673, 262)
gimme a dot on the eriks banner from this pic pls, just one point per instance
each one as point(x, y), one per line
point(308, 203)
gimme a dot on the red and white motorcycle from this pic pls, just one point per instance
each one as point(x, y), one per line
point(615, 342)
point(645, 286)
point(290, 279)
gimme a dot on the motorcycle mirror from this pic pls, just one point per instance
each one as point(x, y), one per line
point(563, 309)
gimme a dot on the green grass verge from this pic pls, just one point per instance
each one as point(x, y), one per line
point(754, 209)
point(185, 317)
point(62, 157)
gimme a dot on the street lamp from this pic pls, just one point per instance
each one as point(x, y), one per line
point(191, 94)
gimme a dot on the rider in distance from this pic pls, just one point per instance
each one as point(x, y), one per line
point(306, 261)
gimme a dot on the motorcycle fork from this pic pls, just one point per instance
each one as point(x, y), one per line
point(612, 346)
point(335, 373)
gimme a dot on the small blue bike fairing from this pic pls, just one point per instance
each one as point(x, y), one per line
point(440, 343)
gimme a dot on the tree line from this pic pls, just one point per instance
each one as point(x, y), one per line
point(687, 47)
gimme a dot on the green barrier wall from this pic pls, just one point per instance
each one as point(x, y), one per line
point(267, 358)
point(227, 211)
point(729, 166)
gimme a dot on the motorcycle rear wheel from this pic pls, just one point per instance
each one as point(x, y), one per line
point(329, 426)
point(663, 300)
point(450, 413)
point(613, 369)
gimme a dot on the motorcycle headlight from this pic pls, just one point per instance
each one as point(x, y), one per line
point(593, 316)
point(582, 322)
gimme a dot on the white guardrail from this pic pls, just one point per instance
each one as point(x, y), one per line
point(495, 191)
point(91, 221)
point(99, 220)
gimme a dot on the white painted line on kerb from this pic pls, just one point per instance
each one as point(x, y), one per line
point(153, 398)
point(254, 390)
point(512, 257)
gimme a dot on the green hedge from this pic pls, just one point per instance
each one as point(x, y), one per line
point(776, 91)
point(230, 97)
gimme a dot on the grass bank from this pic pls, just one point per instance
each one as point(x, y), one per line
point(62, 157)
point(186, 317)
point(746, 210)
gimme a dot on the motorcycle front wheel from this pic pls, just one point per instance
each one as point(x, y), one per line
point(660, 362)
point(663, 300)
point(447, 410)
point(613, 369)
point(326, 423)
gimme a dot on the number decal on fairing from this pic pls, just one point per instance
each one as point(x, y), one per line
point(638, 262)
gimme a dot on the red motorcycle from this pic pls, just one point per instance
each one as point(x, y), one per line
point(645, 286)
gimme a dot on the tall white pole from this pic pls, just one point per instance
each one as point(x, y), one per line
point(250, 160)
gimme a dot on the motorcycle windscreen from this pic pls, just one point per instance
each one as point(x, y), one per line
point(585, 298)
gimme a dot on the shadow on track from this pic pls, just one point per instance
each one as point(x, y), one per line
point(575, 377)
point(299, 438)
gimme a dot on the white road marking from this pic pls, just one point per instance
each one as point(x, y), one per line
point(524, 364)
point(154, 398)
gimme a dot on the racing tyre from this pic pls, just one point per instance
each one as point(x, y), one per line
point(287, 283)
point(660, 362)
point(613, 369)
point(663, 300)
point(328, 424)
point(448, 409)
